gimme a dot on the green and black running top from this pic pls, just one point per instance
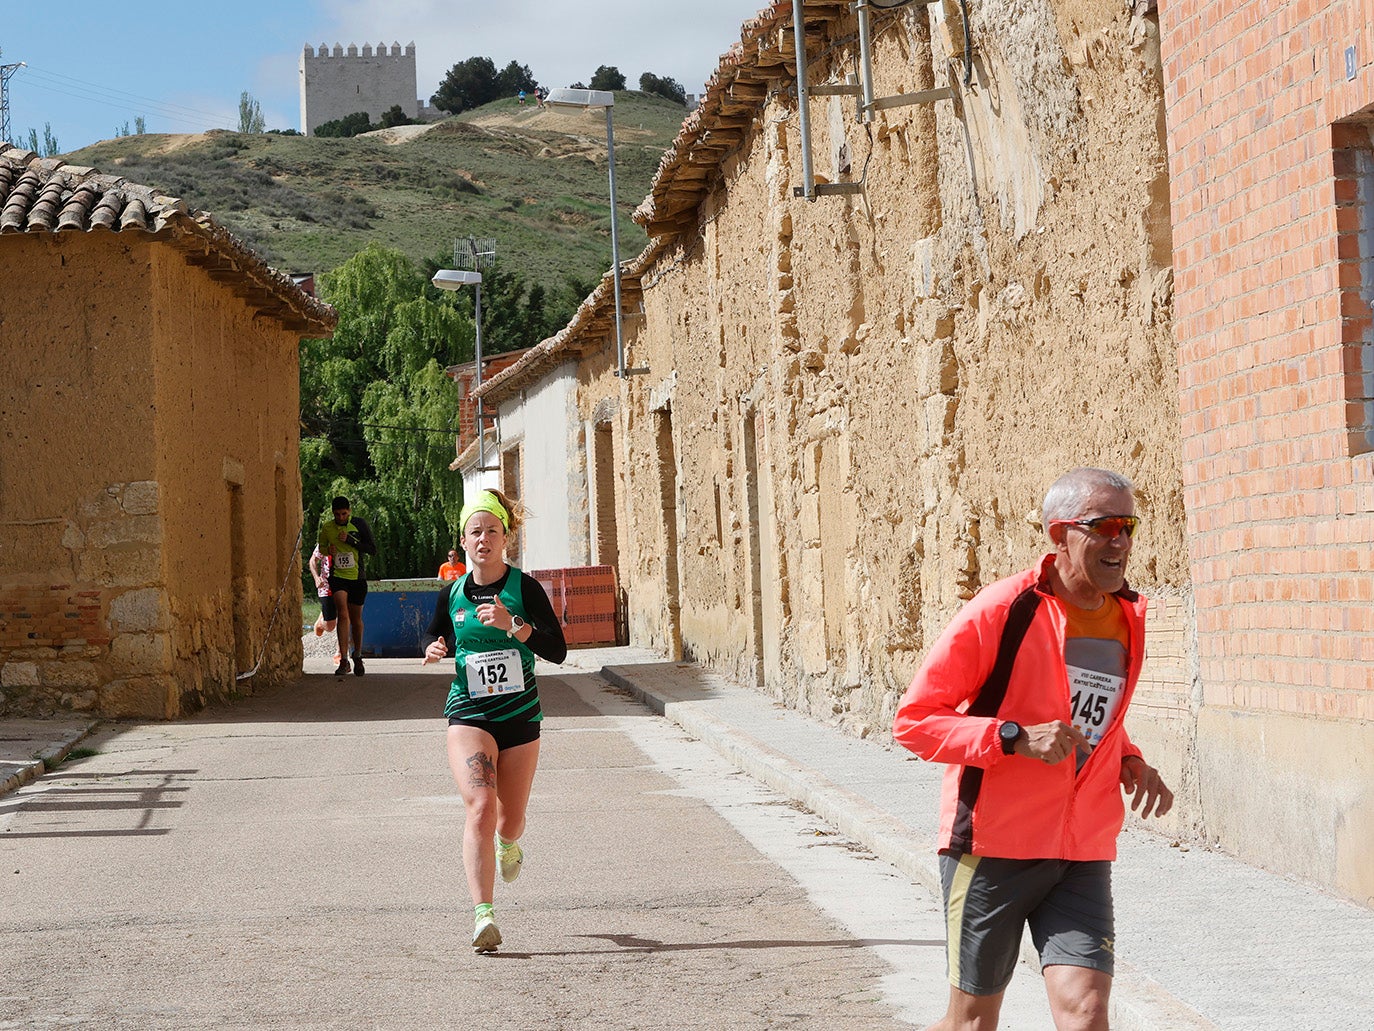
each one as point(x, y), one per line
point(494, 674)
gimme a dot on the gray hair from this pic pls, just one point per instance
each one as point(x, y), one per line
point(1068, 494)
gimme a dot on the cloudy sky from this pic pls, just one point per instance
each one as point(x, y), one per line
point(93, 67)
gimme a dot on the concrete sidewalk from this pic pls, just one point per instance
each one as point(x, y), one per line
point(1204, 941)
point(28, 748)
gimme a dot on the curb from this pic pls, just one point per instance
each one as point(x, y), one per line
point(17, 774)
point(1138, 1002)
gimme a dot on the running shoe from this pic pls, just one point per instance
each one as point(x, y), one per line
point(508, 859)
point(343, 668)
point(357, 664)
point(485, 934)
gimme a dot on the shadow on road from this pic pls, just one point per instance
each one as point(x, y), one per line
point(380, 696)
point(632, 943)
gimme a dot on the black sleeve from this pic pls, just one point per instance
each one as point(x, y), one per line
point(441, 623)
point(546, 633)
point(365, 542)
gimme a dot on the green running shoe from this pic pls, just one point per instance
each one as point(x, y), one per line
point(509, 856)
point(485, 934)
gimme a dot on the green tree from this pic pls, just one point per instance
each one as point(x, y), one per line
point(607, 77)
point(513, 78)
point(250, 114)
point(347, 126)
point(468, 84)
point(516, 313)
point(372, 398)
point(666, 87)
point(48, 148)
point(140, 125)
point(394, 116)
point(378, 414)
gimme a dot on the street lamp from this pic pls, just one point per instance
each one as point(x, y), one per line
point(456, 279)
point(587, 100)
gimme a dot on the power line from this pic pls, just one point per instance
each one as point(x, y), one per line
point(69, 80)
point(173, 113)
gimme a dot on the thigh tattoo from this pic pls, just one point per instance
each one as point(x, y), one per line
point(482, 770)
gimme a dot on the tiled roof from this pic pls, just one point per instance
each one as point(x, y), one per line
point(762, 61)
point(45, 195)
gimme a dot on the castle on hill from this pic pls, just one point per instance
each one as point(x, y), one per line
point(339, 82)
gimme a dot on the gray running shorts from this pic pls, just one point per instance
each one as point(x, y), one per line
point(1067, 905)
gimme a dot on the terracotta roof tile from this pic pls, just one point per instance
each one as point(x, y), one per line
point(45, 195)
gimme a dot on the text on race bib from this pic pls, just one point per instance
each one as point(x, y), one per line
point(495, 673)
point(345, 560)
point(1094, 700)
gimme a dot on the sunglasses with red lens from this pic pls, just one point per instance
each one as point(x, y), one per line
point(1109, 527)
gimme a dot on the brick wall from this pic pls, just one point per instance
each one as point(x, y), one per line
point(1267, 109)
point(50, 616)
point(1279, 508)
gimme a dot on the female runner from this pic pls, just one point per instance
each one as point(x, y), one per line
point(493, 621)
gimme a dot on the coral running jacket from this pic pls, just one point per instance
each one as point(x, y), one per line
point(1024, 808)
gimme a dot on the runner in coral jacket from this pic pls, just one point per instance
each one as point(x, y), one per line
point(1024, 696)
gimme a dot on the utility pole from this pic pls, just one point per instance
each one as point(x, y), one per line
point(6, 73)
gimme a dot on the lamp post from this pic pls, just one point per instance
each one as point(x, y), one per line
point(587, 100)
point(456, 279)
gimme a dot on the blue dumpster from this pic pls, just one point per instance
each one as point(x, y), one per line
point(396, 614)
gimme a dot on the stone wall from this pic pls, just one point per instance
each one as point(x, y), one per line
point(855, 404)
point(339, 82)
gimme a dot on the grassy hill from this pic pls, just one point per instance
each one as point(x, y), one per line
point(533, 179)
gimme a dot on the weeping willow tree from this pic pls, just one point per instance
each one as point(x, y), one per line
point(378, 415)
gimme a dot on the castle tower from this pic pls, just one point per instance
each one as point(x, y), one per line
point(335, 83)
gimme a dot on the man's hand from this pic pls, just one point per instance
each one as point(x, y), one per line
point(1051, 742)
point(1145, 784)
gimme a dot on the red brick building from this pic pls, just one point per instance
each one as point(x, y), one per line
point(1269, 110)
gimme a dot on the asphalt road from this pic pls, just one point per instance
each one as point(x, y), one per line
point(293, 861)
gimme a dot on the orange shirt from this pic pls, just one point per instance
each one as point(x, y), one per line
point(452, 570)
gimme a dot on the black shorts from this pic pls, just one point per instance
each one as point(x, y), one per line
point(355, 589)
point(328, 609)
point(507, 733)
point(1066, 904)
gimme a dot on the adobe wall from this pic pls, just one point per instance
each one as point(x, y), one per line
point(338, 82)
point(1270, 109)
point(228, 401)
point(855, 404)
point(78, 499)
point(124, 409)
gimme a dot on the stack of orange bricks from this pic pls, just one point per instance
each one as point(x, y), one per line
point(584, 599)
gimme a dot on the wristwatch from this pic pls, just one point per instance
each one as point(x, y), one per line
point(1009, 732)
point(515, 624)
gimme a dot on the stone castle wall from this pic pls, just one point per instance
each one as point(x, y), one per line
point(336, 83)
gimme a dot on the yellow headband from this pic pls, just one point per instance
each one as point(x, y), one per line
point(484, 502)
